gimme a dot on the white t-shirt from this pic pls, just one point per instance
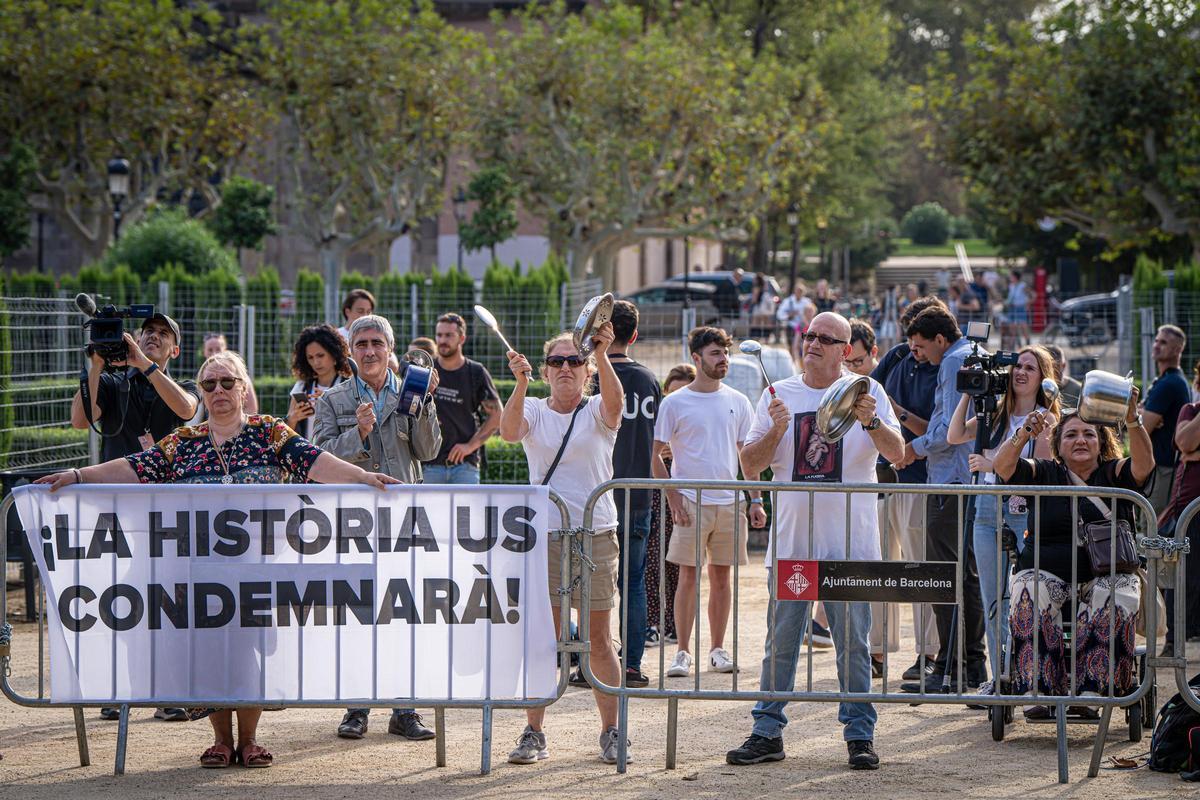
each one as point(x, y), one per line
point(305, 428)
point(703, 429)
point(803, 455)
point(586, 462)
point(1014, 422)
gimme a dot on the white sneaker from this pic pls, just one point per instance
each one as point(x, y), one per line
point(531, 748)
point(719, 660)
point(681, 666)
point(608, 747)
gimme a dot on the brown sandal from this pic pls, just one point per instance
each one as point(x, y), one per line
point(255, 756)
point(219, 756)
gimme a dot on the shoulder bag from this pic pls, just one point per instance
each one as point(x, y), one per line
point(1096, 538)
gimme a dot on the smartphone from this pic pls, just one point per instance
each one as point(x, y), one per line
point(301, 397)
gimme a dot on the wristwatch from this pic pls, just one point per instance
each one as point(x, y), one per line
point(756, 501)
point(148, 371)
point(874, 425)
point(1137, 422)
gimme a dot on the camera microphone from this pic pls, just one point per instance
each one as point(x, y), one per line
point(86, 304)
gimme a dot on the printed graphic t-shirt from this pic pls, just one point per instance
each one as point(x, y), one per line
point(804, 455)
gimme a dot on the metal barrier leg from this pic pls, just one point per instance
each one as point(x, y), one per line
point(1060, 719)
point(439, 724)
point(1098, 747)
point(672, 730)
point(122, 738)
point(485, 743)
point(622, 733)
point(85, 759)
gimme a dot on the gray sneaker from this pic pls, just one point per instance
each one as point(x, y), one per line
point(608, 747)
point(531, 748)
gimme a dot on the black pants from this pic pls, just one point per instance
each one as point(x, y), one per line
point(1191, 588)
point(941, 544)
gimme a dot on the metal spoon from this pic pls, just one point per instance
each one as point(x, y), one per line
point(753, 348)
point(1051, 390)
point(487, 318)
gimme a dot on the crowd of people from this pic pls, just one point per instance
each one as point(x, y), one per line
point(607, 416)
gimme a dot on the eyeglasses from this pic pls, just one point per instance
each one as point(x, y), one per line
point(210, 384)
point(827, 341)
point(856, 363)
point(558, 361)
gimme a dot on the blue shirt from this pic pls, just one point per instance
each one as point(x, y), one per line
point(912, 385)
point(1169, 393)
point(946, 463)
point(380, 397)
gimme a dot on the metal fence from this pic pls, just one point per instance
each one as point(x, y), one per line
point(12, 683)
point(1139, 702)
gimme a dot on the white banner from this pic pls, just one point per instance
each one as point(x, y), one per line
point(281, 593)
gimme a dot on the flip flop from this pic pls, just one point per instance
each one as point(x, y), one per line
point(255, 756)
point(218, 756)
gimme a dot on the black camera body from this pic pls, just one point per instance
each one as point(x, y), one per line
point(106, 327)
point(984, 374)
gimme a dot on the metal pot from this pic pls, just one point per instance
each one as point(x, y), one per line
point(1104, 398)
point(597, 312)
point(835, 415)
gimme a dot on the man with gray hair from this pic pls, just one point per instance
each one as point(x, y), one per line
point(360, 421)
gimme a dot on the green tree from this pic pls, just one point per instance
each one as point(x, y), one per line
point(1089, 116)
point(169, 237)
point(160, 83)
point(244, 216)
point(372, 93)
point(495, 220)
point(16, 178)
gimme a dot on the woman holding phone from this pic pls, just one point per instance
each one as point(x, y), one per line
point(320, 361)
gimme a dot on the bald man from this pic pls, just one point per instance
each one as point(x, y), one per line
point(784, 437)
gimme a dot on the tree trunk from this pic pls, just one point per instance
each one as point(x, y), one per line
point(333, 259)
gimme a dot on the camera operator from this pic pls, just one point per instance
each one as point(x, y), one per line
point(934, 336)
point(135, 407)
point(140, 404)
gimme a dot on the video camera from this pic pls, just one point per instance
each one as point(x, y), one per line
point(107, 328)
point(983, 374)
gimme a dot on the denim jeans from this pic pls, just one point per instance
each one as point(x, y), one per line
point(463, 473)
point(987, 553)
point(632, 535)
point(785, 631)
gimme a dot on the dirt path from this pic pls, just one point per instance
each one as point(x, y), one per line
point(927, 752)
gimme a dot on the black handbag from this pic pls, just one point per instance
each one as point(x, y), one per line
point(1096, 538)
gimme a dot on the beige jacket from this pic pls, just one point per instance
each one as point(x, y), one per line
point(397, 445)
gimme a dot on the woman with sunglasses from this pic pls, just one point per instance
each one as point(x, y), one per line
point(584, 431)
point(231, 447)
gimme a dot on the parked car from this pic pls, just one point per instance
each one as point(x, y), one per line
point(660, 307)
point(1089, 319)
point(744, 290)
point(745, 375)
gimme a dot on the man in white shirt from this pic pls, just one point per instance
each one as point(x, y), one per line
point(705, 424)
point(784, 437)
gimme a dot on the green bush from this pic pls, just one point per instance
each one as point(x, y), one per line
point(169, 237)
point(7, 411)
point(310, 299)
point(273, 354)
point(29, 284)
point(506, 463)
point(962, 227)
point(119, 285)
point(1148, 275)
point(927, 223)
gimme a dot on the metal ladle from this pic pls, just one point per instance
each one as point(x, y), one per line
point(487, 318)
point(752, 348)
point(1051, 390)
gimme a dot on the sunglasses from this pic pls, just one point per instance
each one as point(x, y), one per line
point(210, 384)
point(558, 361)
point(827, 341)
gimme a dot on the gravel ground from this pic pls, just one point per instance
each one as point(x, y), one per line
point(926, 751)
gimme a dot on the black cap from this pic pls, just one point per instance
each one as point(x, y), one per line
point(172, 324)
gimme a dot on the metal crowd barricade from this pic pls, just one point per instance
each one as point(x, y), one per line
point(569, 536)
point(1145, 524)
point(1173, 553)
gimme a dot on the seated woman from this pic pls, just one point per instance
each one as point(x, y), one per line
point(1104, 604)
point(232, 447)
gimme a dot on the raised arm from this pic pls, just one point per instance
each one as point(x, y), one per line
point(962, 429)
point(513, 426)
point(612, 396)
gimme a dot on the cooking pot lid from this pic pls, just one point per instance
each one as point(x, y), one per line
point(835, 415)
point(597, 312)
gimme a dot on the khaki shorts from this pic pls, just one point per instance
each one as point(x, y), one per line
point(718, 527)
point(603, 578)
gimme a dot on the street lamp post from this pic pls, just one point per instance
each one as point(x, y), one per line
point(822, 228)
point(118, 189)
point(460, 216)
point(793, 221)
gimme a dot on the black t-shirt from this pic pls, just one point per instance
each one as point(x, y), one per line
point(1058, 537)
point(460, 395)
point(635, 439)
point(146, 412)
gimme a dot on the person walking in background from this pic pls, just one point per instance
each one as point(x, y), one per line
point(1068, 387)
point(358, 303)
point(705, 424)
point(215, 343)
point(465, 394)
point(824, 299)
point(796, 312)
point(320, 361)
point(660, 605)
point(1016, 309)
point(864, 353)
point(1167, 396)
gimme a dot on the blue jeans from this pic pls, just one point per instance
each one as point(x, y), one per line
point(463, 473)
point(785, 631)
point(987, 554)
point(631, 536)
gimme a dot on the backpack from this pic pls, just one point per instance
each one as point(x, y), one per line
point(1175, 745)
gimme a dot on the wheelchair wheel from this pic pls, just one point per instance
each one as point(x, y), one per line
point(1149, 708)
point(1134, 715)
point(997, 714)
